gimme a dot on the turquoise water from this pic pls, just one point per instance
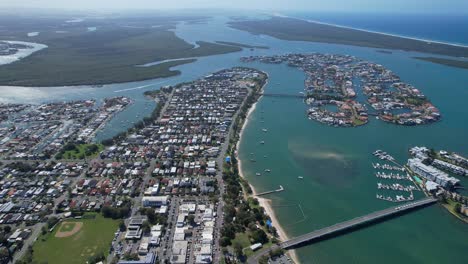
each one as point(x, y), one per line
point(338, 179)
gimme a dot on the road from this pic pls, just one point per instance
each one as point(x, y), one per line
point(219, 177)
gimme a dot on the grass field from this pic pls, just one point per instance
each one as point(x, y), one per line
point(95, 236)
point(81, 151)
point(244, 241)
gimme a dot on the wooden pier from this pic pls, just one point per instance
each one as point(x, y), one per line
point(273, 191)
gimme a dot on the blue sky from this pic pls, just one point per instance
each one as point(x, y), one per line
point(400, 6)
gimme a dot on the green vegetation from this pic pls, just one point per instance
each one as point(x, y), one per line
point(110, 54)
point(90, 243)
point(446, 62)
point(416, 101)
point(454, 208)
point(116, 213)
point(79, 151)
point(242, 45)
point(154, 218)
point(384, 51)
point(245, 220)
point(295, 29)
point(358, 122)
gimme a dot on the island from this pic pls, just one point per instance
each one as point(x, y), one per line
point(463, 64)
point(336, 86)
point(109, 54)
point(295, 29)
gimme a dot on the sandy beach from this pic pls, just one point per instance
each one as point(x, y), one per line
point(265, 203)
point(373, 31)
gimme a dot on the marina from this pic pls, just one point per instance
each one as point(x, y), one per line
point(396, 176)
point(393, 190)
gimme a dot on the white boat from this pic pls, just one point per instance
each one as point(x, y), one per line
point(264, 130)
point(258, 174)
point(262, 142)
point(300, 177)
point(267, 170)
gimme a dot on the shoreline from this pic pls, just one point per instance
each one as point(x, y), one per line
point(265, 203)
point(21, 53)
point(372, 31)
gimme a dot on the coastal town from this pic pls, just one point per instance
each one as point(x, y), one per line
point(343, 91)
point(169, 189)
point(229, 132)
point(161, 181)
point(38, 132)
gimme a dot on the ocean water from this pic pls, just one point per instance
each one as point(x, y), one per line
point(450, 28)
point(338, 179)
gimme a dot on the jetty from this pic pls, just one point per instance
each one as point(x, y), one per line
point(273, 191)
point(345, 226)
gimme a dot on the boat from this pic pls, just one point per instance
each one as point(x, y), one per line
point(267, 170)
point(258, 174)
point(264, 130)
point(262, 142)
point(300, 177)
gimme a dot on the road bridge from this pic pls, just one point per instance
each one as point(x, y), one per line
point(283, 95)
point(348, 225)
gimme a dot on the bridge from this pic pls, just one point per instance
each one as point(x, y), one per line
point(345, 226)
point(283, 95)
